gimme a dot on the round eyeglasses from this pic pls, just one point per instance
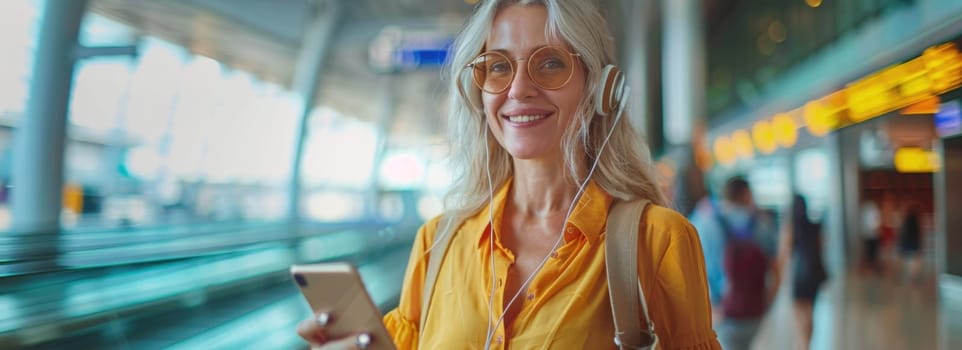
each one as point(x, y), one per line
point(549, 67)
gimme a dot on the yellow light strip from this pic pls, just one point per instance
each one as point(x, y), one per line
point(914, 83)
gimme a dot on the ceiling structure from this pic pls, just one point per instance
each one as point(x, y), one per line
point(260, 37)
point(264, 38)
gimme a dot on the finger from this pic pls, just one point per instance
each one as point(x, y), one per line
point(351, 342)
point(311, 331)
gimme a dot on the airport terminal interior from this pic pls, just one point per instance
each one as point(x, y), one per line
point(164, 163)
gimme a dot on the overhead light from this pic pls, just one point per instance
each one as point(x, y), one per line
point(813, 3)
point(786, 133)
point(915, 160)
point(764, 137)
point(776, 31)
point(821, 116)
point(743, 144)
point(724, 150)
point(765, 45)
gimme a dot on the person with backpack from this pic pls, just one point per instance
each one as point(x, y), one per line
point(545, 160)
point(740, 247)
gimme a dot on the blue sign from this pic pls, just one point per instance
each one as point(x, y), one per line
point(421, 57)
point(397, 50)
point(948, 121)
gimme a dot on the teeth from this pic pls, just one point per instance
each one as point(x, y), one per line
point(525, 118)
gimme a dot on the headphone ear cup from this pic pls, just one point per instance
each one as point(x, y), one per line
point(608, 96)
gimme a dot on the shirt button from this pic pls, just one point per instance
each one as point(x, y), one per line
point(570, 229)
point(500, 339)
point(530, 296)
point(554, 255)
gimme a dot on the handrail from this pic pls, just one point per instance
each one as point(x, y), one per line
point(24, 254)
point(82, 304)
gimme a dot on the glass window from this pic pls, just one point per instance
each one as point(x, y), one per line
point(19, 20)
point(812, 179)
point(170, 137)
point(769, 179)
point(338, 165)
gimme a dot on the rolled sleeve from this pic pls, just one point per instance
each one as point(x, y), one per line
point(404, 332)
point(402, 322)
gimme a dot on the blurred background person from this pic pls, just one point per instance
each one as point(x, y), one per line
point(869, 230)
point(739, 242)
point(803, 241)
point(891, 214)
point(909, 243)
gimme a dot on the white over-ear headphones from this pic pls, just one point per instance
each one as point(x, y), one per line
point(611, 91)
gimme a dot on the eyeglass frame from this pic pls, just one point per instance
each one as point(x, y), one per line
point(527, 70)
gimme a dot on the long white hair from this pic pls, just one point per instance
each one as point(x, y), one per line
point(624, 169)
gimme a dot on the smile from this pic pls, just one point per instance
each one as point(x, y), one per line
point(524, 119)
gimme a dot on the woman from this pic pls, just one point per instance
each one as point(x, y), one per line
point(525, 266)
point(808, 269)
point(910, 242)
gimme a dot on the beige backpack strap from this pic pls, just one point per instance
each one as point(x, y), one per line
point(442, 239)
point(624, 286)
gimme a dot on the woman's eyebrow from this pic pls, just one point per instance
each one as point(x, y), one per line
point(533, 49)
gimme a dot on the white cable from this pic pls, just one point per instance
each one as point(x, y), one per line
point(487, 170)
point(487, 342)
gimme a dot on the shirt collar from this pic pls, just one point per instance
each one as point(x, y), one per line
point(588, 218)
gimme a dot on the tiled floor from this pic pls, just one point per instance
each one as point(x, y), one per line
point(864, 311)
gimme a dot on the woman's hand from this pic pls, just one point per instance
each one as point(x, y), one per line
point(312, 330)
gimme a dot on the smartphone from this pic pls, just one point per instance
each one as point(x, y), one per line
point(337, 288)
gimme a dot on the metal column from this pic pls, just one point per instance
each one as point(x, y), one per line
point(39, 144)
point(307, 78)
point(684, 62)
point(638, 18)
point(388, 97)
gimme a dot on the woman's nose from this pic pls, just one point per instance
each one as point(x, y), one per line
point(521, 85)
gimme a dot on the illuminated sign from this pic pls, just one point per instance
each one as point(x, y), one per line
point(937, 71)
point(948, 120)
point(925, 107)
point(915, 84)
point(915, 160)
point(398, 50)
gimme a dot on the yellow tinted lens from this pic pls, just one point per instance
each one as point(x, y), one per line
point(492, 72)
point(550, 67)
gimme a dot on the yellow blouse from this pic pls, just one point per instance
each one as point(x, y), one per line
point(566, 305)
